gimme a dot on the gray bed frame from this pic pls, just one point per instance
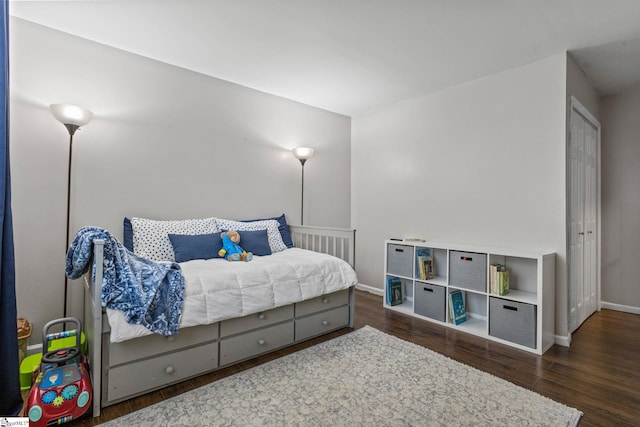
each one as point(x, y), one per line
point(127, 369)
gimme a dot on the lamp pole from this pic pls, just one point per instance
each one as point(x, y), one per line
point(302, 161)
point(303, 154)
point(72, 117)
point(72, 129)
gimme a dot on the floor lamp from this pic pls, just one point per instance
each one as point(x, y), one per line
point(72, 117)
point(302, 154)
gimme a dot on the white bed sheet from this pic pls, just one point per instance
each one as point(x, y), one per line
point(217, 289)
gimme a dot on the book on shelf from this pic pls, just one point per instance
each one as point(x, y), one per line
point(457, 308)
point(394, 291)
point(494, 280)
point(424, 264)
point(414, 240)
point(503, 282)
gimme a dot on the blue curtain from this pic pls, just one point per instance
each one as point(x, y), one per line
point(10, 398)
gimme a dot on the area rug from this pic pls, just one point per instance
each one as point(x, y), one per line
point(364, 378)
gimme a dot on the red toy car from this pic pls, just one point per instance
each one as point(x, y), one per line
point(61, 390)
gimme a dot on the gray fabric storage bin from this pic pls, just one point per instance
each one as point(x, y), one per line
point(430, 301)
point(400, 260)
point(512, 321)
point(468, 270)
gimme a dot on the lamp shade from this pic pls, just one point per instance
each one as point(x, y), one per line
point(302, 153)
point(68, 114)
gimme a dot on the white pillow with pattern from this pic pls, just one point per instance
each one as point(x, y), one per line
point(151, 237)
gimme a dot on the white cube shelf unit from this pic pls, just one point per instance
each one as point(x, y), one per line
point(523, 318)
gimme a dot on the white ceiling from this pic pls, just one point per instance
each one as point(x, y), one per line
point(353, 56)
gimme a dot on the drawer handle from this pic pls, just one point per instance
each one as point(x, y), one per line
point(325, 322)
point(399, 250)
point(260, 342)
point(169, 370)
point(466, 258)
point(427, 289)
point(170, 338)
point(261, 316)
point(325, 300)
point(510, 307)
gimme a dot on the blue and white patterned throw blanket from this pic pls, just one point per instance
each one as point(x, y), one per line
point(149, 293)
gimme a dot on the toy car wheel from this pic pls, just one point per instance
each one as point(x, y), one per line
point(83, 399)
point(35, 413)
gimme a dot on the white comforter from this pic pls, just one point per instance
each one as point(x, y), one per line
point(217, 289)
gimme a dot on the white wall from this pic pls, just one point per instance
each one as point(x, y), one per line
point(578, 85)
point(165, 143)
point(480, 163)
point(621, 200)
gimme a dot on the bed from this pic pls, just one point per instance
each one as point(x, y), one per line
point(127, 361)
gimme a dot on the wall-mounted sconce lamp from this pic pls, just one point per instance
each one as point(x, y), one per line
point(72, 117)
point(302, 154)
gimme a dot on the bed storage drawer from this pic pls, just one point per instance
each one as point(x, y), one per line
point(152, 345)
point(323, 302)
point(255, 321)
point(148, 374)
point(254, 343)
point(320, 323)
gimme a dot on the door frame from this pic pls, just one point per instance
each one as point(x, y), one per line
point(575, 104)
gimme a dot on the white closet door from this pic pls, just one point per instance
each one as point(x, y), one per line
point(583, 215)
point(590, 297)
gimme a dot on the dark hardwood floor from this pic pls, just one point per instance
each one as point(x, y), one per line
point(599, 374)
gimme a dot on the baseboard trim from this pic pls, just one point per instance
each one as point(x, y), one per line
point(33, 349)
point(370, 289)
point(564, 341)
point(620, 307)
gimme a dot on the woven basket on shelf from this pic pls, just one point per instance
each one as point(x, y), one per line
point(24, 332)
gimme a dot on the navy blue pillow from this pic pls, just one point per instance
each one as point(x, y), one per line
point(127, 234)
point(256, 242)
point(200, 246)
point(283, 228)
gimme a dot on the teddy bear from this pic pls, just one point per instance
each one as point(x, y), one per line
point(231, 250)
